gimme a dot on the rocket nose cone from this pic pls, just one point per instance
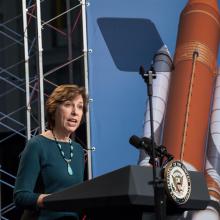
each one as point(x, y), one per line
point(211, 3)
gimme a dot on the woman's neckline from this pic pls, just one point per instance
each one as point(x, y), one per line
point(52, 139)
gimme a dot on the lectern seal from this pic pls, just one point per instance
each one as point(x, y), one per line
point(177, 182)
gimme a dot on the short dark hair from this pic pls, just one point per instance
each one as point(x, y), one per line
point(61, 94)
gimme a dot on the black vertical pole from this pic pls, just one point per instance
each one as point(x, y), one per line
point(159, 191)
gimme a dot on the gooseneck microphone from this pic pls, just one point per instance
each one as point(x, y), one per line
point(140, 143)
point(145, 143)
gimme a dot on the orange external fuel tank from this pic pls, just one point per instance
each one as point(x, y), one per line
point(191, 88)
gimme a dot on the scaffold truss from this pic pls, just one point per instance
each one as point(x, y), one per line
point(42, 45)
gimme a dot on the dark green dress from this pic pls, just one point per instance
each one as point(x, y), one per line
point(42, 169)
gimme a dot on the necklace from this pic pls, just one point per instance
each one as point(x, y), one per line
point(68, 161)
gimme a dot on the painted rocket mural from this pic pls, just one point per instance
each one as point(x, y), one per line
point(191, 95)
point(162, 64)
point(191, 89)
point(213, 151)
point(191, 125)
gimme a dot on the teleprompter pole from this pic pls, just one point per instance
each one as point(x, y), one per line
point(159, 191)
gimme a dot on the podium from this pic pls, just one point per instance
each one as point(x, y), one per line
point(126, 193)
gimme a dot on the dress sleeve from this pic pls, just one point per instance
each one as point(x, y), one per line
point(28, 172)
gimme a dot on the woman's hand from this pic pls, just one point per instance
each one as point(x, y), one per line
point(40, 200)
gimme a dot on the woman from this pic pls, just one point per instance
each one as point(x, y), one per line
point(51, 161)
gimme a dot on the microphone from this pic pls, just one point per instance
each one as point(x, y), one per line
point(145, 143)
point(139, 142)
point(142, 143)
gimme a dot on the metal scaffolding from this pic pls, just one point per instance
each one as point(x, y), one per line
point(50, 52)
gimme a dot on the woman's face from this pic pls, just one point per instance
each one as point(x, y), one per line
point(68, 115)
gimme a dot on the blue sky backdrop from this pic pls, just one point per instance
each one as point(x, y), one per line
point(123, 35)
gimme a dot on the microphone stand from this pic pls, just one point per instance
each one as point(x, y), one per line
point(159, 191)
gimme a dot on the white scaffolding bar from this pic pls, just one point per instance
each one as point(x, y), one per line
point(40, 67)
point(26, 57)
point(69, 38)
point(85, 50)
